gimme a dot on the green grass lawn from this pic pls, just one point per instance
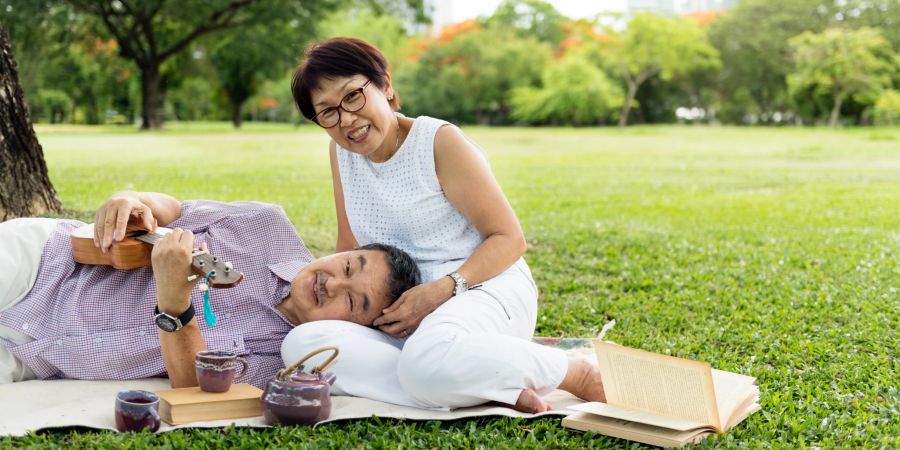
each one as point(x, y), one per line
point(770, 252)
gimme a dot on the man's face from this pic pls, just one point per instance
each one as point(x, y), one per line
point(348, 286)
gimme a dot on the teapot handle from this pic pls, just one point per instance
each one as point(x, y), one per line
point(283, 373)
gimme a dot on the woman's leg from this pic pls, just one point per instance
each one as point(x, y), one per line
point(475, 348)
point(21, 246)
point(366, 366)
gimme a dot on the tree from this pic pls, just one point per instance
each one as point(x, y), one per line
point(530, 18)
point(842, 63)
point(152, 31)
point(39, 30)
point(465, 80)
point(658, 46)
point(384, 31)
point(89, 72)
point(752, 40)
point(25, 187)
point(246, 58)
point(881, 14)
point(574, 92)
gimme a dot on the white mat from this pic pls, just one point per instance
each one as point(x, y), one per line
point(35, 405)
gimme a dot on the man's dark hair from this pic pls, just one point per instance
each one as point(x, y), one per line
point(404, 272)
point(334, 58)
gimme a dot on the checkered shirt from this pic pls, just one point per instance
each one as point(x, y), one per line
point(96, 322)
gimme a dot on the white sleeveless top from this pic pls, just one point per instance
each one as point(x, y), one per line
point(400, 202)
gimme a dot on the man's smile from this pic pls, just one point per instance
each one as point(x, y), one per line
point(317, 286)
point(313, 289)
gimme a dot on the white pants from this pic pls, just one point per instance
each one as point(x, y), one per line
point(474, 348)
point(21, 245)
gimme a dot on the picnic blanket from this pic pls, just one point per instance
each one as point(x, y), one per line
point(40, 404)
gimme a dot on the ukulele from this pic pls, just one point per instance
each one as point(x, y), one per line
point(133, 252)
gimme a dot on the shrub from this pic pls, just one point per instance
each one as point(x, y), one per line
point(887, 108)
point(574, 92)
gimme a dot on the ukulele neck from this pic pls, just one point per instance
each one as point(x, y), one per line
point(151, 238)
point(219, 274)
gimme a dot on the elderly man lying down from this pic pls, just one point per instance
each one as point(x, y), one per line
point(61, 319)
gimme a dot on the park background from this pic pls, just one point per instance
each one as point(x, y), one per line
point(720, 177)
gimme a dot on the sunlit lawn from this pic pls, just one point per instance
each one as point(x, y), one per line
point(770, 252)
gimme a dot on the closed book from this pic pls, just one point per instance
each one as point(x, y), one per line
point(186, 405)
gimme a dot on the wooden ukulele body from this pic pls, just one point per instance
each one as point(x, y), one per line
point(127, 254)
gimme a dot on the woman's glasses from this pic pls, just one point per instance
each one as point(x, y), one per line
point(352, 102)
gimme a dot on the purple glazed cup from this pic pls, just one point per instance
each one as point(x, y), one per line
point(216, 370)
point(137, 411)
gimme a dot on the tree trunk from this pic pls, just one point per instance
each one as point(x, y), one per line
point(152, 105)
point(25, 187)
point(236, 112)
point(626, 108)
point(92, 110)
point(835, 110)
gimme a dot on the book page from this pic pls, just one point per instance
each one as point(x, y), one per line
point(634, 431)
point(644, 417)
point(734, 393)
point(657, 383)
point(743, 414)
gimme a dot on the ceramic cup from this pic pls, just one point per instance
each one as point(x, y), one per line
point(216, 370)
point(137, 411)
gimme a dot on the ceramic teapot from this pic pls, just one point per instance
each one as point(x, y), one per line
point(297, 397)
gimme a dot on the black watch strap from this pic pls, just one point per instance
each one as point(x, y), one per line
point(167, 322)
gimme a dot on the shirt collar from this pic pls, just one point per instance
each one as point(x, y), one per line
point(287, 271)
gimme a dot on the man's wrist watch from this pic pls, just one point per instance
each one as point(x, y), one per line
point(170, 323)
point(461, 285)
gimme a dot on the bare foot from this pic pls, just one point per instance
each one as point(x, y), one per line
point(583, 381)
point(530, 402)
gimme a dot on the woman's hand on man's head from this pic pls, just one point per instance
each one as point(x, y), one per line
point(403, 317)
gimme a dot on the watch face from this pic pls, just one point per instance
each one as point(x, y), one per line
point(166, 322)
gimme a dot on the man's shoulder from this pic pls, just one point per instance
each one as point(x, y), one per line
point(198, 215)
point(231, 209)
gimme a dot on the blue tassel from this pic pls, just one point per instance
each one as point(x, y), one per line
point(208, 315)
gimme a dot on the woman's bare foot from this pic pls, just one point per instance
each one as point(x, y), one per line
point(530, 402)
point(583, 381)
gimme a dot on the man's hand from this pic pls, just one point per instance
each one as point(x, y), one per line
point(114, 215)
point(171, 259)
point(405, 315)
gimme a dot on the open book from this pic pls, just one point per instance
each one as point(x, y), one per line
point(662, 400)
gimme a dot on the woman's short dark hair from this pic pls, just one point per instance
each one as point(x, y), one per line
point(338, 57)
point(404, 272)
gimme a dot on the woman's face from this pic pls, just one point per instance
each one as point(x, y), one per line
point(365, 131)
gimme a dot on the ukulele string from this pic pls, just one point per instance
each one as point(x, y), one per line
point(208, 315)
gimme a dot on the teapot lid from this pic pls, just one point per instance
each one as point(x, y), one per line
point(299, 378)
point(303, 377)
